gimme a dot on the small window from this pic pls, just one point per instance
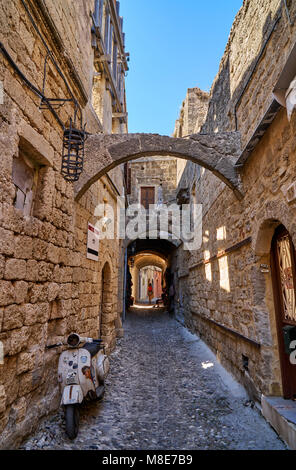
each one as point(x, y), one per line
point(25, 179)
point(147, 196)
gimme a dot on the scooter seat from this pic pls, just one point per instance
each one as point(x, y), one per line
point(92, 348)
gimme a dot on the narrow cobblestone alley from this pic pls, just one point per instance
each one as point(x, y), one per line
point(164, 391)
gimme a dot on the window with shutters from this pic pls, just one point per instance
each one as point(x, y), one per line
point(107, 30)
point(25, 180)
point(147, 196)
point(114, 60)
point(98, 13)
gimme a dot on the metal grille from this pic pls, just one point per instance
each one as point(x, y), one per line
point(287, 280)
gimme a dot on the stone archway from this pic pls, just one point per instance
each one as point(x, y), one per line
point(142, 260)
point(107, 314)
point(263, 295)
point(216, 152)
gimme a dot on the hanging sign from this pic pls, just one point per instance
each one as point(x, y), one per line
point(92, 243)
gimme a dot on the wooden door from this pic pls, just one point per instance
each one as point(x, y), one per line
point(283, 277)
point(147, 196)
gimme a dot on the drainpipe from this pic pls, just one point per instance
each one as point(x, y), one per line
point(124, 286)
point(291, 23)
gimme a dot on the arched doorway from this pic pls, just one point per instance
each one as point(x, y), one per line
point(284, 290)
point(107, 315)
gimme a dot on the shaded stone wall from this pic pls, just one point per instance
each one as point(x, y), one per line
point(48, 288)
point(221, 294)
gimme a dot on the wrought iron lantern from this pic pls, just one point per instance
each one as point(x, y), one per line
point(73, 152)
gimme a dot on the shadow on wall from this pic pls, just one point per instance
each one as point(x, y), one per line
point(107, 318)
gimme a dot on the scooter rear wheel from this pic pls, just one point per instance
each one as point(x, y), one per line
point(72, 421)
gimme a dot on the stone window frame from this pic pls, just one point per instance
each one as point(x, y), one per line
point(27, 205)
point(38, 153)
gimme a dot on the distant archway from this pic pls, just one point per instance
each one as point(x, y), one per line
point(216, 152)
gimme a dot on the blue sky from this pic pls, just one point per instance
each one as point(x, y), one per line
point(174, 45)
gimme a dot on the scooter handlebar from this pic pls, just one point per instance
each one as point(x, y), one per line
point(74, 340)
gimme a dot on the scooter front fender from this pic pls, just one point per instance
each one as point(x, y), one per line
point(72, 394)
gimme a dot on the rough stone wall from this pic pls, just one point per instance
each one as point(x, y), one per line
point(193, 110)
point(218, 293)
point(153, 172)
point(47, 286)
point(240, 70)
point(192, 117)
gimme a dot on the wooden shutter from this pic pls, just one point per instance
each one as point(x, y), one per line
point(147, 196)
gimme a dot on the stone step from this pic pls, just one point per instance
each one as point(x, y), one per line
point(281, 415)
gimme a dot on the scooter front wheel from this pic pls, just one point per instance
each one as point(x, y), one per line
point(72, 421)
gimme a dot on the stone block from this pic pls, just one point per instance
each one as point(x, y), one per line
point(7, 242)
point(35, 144)
point(23, 247)
point(12, 318)
point(32, 271)
point(6, 293)
point(52, 254)
point(40, 248)
point(45, 271)
point(18, 340)
point(52, 291)
point(25, 362)
point(20, 291)
point(38, 293)
point(30, 312)
point(15, 269)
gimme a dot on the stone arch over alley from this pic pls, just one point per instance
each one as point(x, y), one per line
point(216, 152)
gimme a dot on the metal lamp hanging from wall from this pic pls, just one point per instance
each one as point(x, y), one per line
point(73, 152)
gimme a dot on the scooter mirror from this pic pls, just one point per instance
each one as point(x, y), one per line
point(73, 340)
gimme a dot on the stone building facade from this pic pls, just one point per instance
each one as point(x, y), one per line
point(228, 291)
point(158, 173)
point(53, 50)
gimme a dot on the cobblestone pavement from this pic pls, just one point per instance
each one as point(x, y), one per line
point(165, 391)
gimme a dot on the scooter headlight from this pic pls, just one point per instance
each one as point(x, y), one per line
point(73, 340)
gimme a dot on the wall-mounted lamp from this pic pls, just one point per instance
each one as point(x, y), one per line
point(73, 152)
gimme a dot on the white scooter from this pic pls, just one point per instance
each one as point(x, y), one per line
point(81, 374)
